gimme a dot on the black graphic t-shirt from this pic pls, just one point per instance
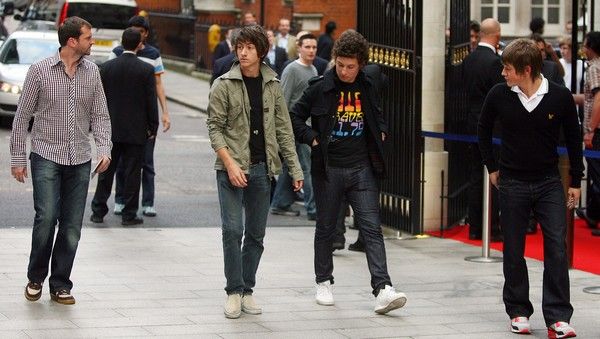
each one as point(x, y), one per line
point(348, 146)
point(257, 133)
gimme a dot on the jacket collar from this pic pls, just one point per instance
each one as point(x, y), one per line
point(236, 73)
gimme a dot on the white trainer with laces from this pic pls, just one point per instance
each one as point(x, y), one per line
point(388, 300)
point(561, 329)
point(520, 325)
point(324, 293)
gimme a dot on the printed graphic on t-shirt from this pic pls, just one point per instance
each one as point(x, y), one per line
point(350, 117)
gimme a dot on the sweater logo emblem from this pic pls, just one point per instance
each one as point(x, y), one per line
point(550, 116)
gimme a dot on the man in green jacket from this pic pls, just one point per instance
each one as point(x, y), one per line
point(249, 125)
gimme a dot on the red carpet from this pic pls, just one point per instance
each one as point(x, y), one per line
point(586, 251)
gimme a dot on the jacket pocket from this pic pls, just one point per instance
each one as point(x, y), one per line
point(233, 115)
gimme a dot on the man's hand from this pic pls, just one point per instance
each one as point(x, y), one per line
point(19, 173)
point(237, 177)
point(494, 178)
point(587, 139)
point(104, 162)
point(298, 185)
point(573, 195)
point(382, 136)
point(166, 121)
point(315, 142)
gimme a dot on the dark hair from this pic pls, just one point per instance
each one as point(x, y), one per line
point(537, 25)
point(303, 37)
point(592, 41)
point(521, 53)
point(330, 27)
point(475, 26)
point(256, 35)
point(138, 21)
point(538, 38)
point(71, 28)
point(131, 38)
point(351, 44)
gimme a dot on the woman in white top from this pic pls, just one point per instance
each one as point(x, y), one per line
point(565, 50)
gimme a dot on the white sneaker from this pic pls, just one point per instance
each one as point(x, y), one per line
point(233, 306)
point(118, 209)
point(561, 329)
point(249, 305)
point(324, 296)
point(149, 211)
point(388, 299)
point(520, 325)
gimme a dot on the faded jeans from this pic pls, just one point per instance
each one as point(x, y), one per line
point(244, 218)
point(59, 197)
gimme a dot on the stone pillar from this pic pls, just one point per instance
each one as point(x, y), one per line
point(433, 70)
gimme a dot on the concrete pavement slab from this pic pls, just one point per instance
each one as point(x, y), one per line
point(186, 90)
point(168, 282)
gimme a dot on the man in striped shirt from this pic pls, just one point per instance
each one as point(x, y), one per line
point(64, 93)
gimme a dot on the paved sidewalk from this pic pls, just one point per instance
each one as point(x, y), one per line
point(186, 90)
point(169, 283)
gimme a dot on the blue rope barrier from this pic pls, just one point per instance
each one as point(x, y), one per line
point(496, 141)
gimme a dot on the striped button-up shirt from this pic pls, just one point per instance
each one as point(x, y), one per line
point(64, 111)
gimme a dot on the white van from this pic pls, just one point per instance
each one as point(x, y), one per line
point(108, 18)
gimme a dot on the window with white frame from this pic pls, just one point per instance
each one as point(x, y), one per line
point(549, 10)
point(499, 9)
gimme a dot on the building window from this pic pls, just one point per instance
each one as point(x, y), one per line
point(499, 9)
point(549, 10)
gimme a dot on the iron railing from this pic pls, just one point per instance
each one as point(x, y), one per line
point(456, 113)
point(394, 29)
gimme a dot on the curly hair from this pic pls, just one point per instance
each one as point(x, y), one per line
point(351, 44)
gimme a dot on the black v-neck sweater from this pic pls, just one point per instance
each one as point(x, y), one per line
point(529, 139)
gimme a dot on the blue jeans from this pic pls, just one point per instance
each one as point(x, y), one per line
point(360, 188)
point(284, 196)
point(241, 260)
point(147, 177)
point(59, 196)
point(547, 201)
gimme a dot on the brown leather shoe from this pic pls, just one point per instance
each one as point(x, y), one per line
point(62, 296)
point(33, 291)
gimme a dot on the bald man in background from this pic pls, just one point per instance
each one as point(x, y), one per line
point(482, 69)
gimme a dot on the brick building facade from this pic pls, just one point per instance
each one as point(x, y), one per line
point(311, 15)
point(180, 27)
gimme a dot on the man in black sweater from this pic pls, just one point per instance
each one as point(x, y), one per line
point(532, 111)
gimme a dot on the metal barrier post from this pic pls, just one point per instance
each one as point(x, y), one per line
point(486, 225)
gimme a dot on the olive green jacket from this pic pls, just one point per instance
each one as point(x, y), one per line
point(229, 122)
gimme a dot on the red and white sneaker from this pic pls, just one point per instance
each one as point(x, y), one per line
point(520, 325)
point(561, 329)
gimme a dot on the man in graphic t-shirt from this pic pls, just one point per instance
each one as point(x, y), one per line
point(346, 136)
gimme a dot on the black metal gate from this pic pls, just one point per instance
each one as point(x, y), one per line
point(456, 111)
point(394, 31)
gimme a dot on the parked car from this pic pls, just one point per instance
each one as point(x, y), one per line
point(108, 18)
point(19, 51)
